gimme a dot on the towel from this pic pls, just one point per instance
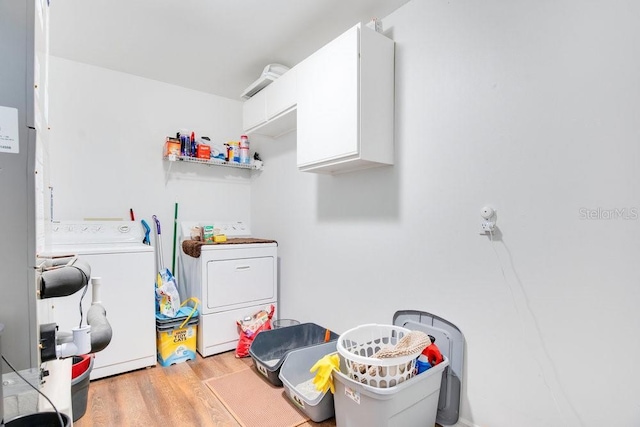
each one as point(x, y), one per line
point(193, 248)
point(414, 341)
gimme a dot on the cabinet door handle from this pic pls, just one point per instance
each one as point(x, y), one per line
point(243, 267)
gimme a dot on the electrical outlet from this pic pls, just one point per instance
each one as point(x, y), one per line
point(488, 226)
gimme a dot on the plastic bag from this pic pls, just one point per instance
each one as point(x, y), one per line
point(167, 297)
point(250, 327)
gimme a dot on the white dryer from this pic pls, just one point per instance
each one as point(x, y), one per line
point(232, 281)
point(115, 252)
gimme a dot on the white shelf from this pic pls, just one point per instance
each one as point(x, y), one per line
point(213, 162)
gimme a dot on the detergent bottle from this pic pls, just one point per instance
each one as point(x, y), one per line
point(430, 356)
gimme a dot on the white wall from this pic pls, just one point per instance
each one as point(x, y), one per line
point(531, 107)
point(107, 133)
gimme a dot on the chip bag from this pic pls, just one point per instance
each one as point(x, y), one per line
point(250, 326)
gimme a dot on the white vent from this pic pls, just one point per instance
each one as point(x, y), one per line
point(270, 73)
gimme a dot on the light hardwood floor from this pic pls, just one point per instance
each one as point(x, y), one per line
point(165, 396)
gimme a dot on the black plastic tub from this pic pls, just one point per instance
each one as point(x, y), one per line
point(270, 348)
point(39, 419)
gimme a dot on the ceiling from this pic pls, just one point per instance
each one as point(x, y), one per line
point(214, 46)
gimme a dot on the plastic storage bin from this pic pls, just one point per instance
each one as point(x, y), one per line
point(80, 371)
point(283, 323)
point(40, 419)
point(269, 348)
point(411, 403)
point(297, 381)
point(450, 341)
point(176, 338)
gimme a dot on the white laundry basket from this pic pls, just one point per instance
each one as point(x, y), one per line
point(357, 347)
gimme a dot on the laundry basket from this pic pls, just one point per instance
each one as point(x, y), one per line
point(358, 346)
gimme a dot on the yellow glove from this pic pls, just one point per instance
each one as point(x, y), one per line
point(325, 366)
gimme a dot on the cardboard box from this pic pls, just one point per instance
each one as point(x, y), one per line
point(171, 147)
point(207, 233)
point(203, 151)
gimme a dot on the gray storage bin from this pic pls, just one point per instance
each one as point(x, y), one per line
point(412, 403)
point(270, 348)
point(80, 392)
point(295, 371)
point(450, 341)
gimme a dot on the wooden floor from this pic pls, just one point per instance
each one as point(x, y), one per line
point(165, 396)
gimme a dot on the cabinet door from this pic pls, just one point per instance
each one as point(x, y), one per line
point(254, 110)
point(281, 94)
point(328, 116)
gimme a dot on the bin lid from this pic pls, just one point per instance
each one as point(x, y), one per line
point(166, 327)
point(450, 342)
point(180, 316)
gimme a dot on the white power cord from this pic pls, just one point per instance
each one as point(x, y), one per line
point(538, 335)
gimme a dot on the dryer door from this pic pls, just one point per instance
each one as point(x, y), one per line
point(241, 282)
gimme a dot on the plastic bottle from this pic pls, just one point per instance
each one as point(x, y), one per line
point(236, 151)
point(244, 150)
point(229, 151)
point(183, 144)
point(193, 144)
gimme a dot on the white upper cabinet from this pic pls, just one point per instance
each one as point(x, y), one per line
point(272, 111)
point(346, 104)
point(282, 94)
point(254, 111)
point(341, 101)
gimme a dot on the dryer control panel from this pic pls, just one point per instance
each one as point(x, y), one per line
point(229, 228)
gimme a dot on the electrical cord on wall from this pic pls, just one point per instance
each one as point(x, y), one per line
point(62, 424)
point(84, 292)
point(549, 364)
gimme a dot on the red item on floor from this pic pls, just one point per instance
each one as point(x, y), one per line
point(250, 327)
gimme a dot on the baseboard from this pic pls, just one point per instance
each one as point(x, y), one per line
point(464, 423)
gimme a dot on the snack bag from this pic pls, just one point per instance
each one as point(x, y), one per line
point(167, 297)
point(249, 328)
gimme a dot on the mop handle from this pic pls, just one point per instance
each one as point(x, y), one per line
point(175, 229)
point(155, 218)
point(159, 244)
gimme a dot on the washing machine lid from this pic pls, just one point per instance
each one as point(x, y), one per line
point(64, 250)
point(450, 342)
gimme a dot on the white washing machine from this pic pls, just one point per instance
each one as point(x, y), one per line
point(115, 252)
point(232, 281)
